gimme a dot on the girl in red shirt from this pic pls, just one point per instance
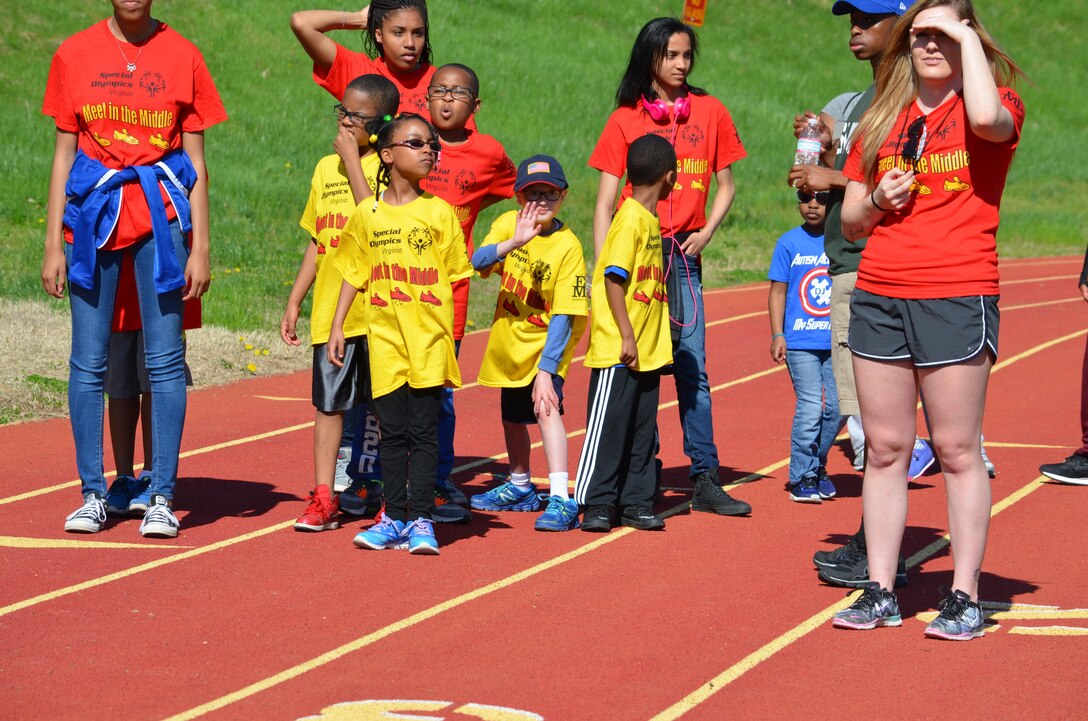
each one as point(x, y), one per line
point(925, 186)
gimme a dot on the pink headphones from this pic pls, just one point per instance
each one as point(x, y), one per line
point(658, 110)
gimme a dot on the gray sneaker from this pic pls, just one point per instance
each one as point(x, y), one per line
point(159, 519)
point(89, 517)
point(1073, 470)
point(875, 607)
point(960, 619)
point(340, 478)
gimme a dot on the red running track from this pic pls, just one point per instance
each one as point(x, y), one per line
point(242, 618)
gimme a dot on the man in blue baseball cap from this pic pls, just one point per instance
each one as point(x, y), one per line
point(873, 7)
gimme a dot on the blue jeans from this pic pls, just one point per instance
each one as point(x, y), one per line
point(816, 419)
point(164, 354)
point(685, 286)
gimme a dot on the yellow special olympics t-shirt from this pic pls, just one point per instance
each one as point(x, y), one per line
point(327, 211)
point(402, 258)
point(545, 276)
point(633, 245)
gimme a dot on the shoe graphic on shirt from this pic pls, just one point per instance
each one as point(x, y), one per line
point(429, 297)
point(159, 142)
point(102, 141)
point(659, 296)
point(510, 307)
point(377, 301)
point(641, 297)
point(124, 137)
point(955, 185)
point(398, 294)
point(920, 189)
point(537, 321)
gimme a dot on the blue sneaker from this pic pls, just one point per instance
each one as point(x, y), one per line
point(362, 498)
point(805, 490)
point(452, 492)
point(386, 533)
point(421, 540)
point(824, 484)
point(141, 495)
point(507, 497)
point(960, 619)
point(120, 494)
point(560, 515)
point(921, 458)
point(875, 607)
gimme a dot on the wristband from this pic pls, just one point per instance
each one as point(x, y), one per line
point(875, 205)
point(778, 335)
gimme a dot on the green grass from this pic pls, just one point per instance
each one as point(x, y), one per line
point(549, 70)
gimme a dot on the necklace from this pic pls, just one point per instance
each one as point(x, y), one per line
point(130, 65)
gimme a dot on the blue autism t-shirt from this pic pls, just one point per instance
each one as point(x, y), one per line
point(799, 262)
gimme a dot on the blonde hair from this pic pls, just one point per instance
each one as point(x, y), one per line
point(897, 83)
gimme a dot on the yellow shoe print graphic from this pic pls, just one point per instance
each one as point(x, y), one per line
point(158, 141)
point(102, 141)
point(917, 187)
point(124, 137)
point(955, 185)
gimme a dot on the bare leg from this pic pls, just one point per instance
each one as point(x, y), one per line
point(328, 428)
point(517, 446)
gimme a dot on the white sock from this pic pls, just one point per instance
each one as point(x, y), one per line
point(559, 485)
point(521, 480)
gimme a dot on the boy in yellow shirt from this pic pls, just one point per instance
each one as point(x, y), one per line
point(629, 344)
point(340, 182)
point(540, 316)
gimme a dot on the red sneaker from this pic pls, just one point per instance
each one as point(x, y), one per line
point(398, 294)
point(429, 297)
point(321, 513)
point(510, 307)
point(377, 301)
point(537, 321)
point(641, 297)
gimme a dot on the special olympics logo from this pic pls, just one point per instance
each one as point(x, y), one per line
point(815, 290)
point(419, 239)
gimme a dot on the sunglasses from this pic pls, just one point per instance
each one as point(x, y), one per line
point(356, 119)
point(820, 196)
point(437, 92)
point(417, 144)
point(916, 141)
point(550, 194)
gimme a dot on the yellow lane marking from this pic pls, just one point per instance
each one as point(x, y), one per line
point(1070, 277)
point(282, 398)
point(386, 631)
point(753, 659)
point(1042, 304)
point(1049, 630)
point(26, 542)
point(999, 444)
point(1036, 349)
point(101, 580)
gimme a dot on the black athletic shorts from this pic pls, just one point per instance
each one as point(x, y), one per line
point(341, 389)
point(934, 332)
point(517, 403)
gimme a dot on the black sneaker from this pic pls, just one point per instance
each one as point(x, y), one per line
point(642, 519)
point(597, 519)
point(1073, 469)
point(853, 572)
point(848, 552)
point(709, 497)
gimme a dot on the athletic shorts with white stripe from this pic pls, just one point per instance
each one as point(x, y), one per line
point(617, 463)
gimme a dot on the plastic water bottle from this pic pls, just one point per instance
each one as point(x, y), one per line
point(808, 144)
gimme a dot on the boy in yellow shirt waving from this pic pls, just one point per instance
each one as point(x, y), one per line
point(629, 344)
point(540, 316)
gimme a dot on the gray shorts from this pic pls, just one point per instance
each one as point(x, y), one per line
point(126, 371)
point(930, 332)
point(341, 389)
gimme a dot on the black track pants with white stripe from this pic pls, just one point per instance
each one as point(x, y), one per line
point(617, 463)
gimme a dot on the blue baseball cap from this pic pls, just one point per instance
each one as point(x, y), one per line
point(540, 169)
point(873, 7)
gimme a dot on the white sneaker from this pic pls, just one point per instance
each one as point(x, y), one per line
point(340, 479)
point(89, 517)
point(159, 519)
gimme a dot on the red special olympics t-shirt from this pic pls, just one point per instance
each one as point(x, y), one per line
point(349, 65)
point(944, 243)
point(124, 119)
point(466, 174)
point(705, 143)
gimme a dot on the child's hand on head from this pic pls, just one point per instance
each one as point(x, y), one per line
point(527, 226)
point(346, 146)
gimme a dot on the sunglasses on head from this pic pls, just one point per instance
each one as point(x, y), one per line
point(916, 141)
point(417, 144)
point(819, 195)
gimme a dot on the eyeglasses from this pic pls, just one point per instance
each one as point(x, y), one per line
point(550, 194)
point(437, 92)
point(417, 144)
point(916, 141)
point(356, 119)
point(820, 196)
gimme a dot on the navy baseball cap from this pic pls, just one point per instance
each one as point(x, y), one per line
point(873, 7)
point(540, 169)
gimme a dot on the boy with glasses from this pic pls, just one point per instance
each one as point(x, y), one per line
point(473, 173)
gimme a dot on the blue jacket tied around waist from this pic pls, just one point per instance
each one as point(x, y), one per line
point(94, 206)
